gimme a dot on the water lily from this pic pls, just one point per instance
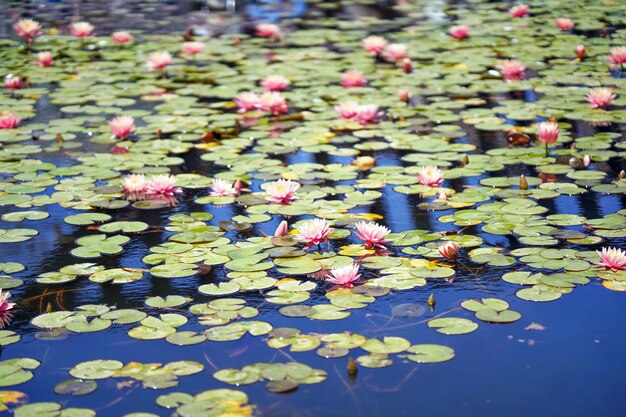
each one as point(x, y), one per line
point(163, 185)
point(564, 23)
point(431, 176)
point(9, 121)
point(247, 101)
point(222, 188)
point(275, 83)
point(459, 31)
point(122, 126)
point(580, 51)
point(372, 234)
point(282, 229)
point(512, 70)
point(344, 276)
point(347, 109)
point(281, 191)
point(314, 232)
point(5, 309)
point(268, 30)
point(449, 250)
point(121, 37)
point(273, 102)
point(239, 186)
point(158, 60)
point(404, 95)
point(407, 65)
point(364, 163)
point(523, 182)
point(27, 29)
point(395, 52)
point(13, 82)
point(519, 10)
point(601, 98)
point(44, 59)
point(617, 56)
point(135, 184)
point(81, 29)
point(375, 45)
point(612, 258)
point(367, 113)
point(193, 48)
point(548, 133)
point(353, 78)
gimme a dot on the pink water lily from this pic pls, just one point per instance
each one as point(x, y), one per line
point(281, 191)
point(375, 45)
point(13, 82)
point(580, 51)
point(548, 132)
point(404, 95)
point(27, 28)
point(121, 37)
point(81, 29)
point(163, 185)
point(395, 52)
point(158, 61)
point(407, 65)
point(282, 229)
point(247, 101)
point(617, 56)
point(347, 109)
point(268, 30)
point(353, 78)
point(344, 276)
point(275, 83)
point(564, 23)
point(372, 234)
point(239, 186)
point(135, 184)
point(367, 113)
point(459, 31)
point(612, 258)
point(601, 98)
point(512, 70)
point(431, 176)
point(449, 250)
point(44, 59)
point(122, 126)
point(222, 188)
point(9, 121)
point(193, 48)
point(519, 10)
point(313, 232)
point(5, 309)
point(273, 102)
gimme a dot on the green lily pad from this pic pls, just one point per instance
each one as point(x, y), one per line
point(453, 325)
point(427, 353)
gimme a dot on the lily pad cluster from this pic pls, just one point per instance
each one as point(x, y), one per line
point(502, 199)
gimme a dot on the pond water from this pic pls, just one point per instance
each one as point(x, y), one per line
point(144, 304)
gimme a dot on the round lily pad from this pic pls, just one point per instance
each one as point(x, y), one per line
point(453, 325)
